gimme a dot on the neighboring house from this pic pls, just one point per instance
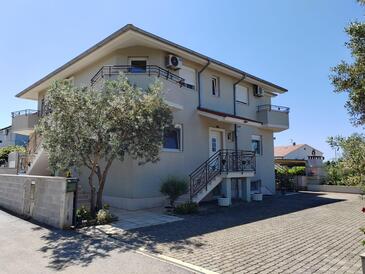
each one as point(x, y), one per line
point(9, 138)
point(300, 155)
point(220, 113)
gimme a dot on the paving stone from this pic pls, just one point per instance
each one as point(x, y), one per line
point(304, 233)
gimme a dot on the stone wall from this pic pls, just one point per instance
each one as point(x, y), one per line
point(335, 188)
point(7, 170)
point(42, 198)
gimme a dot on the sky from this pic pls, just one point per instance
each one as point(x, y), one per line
point(291, 43)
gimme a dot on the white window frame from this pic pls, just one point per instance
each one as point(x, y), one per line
point(247, 94)
point(217, 86)
point(137, 58)
point(179, 126)
point(257, 138)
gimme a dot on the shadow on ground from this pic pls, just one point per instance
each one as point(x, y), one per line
point(66, 248)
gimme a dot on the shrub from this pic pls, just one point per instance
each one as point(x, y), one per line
point(174, 187)
point(5, 151)
point(103, 216)
point(297, 170)
point(187, 208)
point(83, 214)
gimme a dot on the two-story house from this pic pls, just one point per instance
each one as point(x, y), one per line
point(224, 120)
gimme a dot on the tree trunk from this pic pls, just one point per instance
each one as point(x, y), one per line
point(102, 179)
point(92, 194)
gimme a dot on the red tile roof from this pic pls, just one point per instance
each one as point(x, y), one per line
point(282, 151)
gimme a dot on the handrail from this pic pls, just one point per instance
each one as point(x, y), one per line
point(24, 112)
point(273, 108)
point(223, 161)
point(108, 71)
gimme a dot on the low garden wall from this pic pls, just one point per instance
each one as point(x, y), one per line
point(7, 170)
point(335, 188)
point(44, 199)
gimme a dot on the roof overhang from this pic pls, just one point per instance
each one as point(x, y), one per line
point(129, 36)
point(227, 118)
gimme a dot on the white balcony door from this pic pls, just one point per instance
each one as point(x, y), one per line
point(216, 141)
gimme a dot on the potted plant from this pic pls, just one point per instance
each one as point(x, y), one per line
point(224, 201)
point(256, 196)
point(173, 188)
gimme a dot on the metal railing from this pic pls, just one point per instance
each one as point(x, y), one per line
point(107, 71)
point(273, 108)
point(223, 161)
point(24, 112)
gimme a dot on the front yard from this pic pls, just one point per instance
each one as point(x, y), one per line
point(306, 232)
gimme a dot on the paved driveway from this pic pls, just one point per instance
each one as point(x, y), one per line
point(307, 232)
point(29, 248)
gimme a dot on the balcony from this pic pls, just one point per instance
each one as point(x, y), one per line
point(111, 72)
point(24, 121)
point(273, 117)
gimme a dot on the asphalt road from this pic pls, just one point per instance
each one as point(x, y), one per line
point(28, 248)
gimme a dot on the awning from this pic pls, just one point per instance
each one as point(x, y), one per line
point(227, 118)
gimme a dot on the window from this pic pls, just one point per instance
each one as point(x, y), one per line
point(173, 139)
point(214, 144)
point(242, 94)
point(215, 86)
point(256, 144)
point(138, 64)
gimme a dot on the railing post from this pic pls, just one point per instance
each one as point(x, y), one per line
point(206, 176)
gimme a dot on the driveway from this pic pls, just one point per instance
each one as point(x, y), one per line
point(29, 248)
point(306, 232)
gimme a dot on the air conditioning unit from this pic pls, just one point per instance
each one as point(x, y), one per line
point(258, 91)
point(173, 62)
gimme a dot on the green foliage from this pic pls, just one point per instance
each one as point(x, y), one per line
point(334, 173)
point(83, 214)
point(295, 170)
point(87, 127)
point(349, 77)
point(349, 169)
point(103, 216)
point(174, 187)
point(187, 208)
point(5, 151)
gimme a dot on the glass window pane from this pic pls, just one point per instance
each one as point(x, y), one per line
point(172, 138)
point(138, 66)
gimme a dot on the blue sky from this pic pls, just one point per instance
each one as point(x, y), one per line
point(291, 43)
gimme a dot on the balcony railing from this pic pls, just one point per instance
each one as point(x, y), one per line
point(107, 71)
point(273, 108)
point(24, 112)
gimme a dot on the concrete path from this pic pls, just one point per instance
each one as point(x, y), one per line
point(28, 248)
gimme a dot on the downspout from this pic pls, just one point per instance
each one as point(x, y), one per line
point(199, 72)
point(235, 111)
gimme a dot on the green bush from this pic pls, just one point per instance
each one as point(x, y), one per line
point(187, 208)
point(297, 170)
point(5, 151)
point(83, 214)
point(103, 216)
point(174, 187)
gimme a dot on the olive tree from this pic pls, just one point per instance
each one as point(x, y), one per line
point(352, 162)
point(91, 128)
point(349, 77)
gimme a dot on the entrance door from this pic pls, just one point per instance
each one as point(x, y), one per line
point(215, 141)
